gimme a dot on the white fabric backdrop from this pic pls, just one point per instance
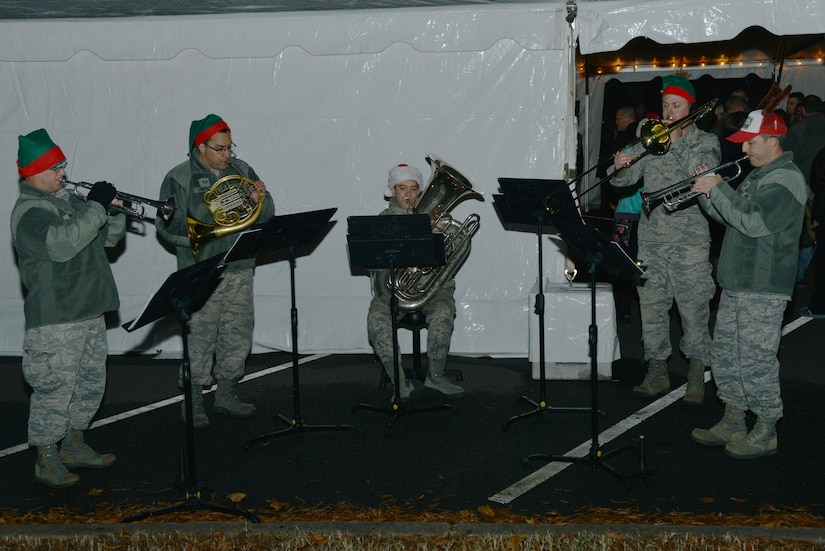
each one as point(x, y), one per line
point(321, 105)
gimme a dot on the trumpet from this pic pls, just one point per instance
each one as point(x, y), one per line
point(681, 192)
point(132, 204)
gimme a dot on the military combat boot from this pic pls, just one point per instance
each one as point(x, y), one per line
point(760, 442)
point(406, 388)
point(50, 471)
point(227, 401)
point(437, 383)
point(695, 391)
point(729, 429)
point(76, 453)
point(199, 418)
point(657, 380)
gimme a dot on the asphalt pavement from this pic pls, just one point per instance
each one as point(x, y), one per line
point(321, 450)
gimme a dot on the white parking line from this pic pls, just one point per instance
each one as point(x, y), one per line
point(582, 450)
point(169, 401)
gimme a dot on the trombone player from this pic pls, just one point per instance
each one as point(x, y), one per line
point(674, 247)
point(220, 332)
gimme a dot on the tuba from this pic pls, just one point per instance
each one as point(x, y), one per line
point(230, 202)
point(414, 287)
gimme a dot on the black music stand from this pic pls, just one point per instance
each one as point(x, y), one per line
point(288, 233)
point(390, 242)
point(184, 292)
point(520, 208)
point(599, 252)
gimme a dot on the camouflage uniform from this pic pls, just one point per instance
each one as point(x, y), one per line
point(757, 269)
point(674, 247)
point(223, 326)
point(60, 244)
point(439, 310)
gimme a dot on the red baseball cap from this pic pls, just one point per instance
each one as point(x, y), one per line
point(756, 124)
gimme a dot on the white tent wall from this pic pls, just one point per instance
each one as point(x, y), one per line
point(321, 104)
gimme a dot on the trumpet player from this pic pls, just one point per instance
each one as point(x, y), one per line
point(402, 192)
point(220, 332)
point(60, 241)
point(674, 247)
point(757, 270)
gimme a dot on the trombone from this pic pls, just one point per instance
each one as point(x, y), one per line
point(681, 192)
point(132, 204)
point(654, 137)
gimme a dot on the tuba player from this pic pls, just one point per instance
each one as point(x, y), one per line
point(402, 192)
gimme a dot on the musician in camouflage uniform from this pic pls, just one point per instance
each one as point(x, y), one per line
point(674, 247)
point(220, 332)
point(403, 189)
point(757, 269)
point(60, 242)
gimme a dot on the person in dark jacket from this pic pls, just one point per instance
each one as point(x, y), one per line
point(60, 240)
point(757, 270)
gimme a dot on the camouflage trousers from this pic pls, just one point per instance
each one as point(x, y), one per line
point(745, 343)
point(681, 273)
point(440, 313)
point(220, 333)
point(65, 365)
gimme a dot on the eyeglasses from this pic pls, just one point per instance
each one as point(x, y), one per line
point(59, 166)
point(223, 148)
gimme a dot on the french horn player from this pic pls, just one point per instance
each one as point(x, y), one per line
point(428, 290)
point(674, 246)
point(217, 195)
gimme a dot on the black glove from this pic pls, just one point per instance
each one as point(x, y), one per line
point(103, 193)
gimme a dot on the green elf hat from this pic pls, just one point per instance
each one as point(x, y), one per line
point(37, 152)
point(679, 86)
point(202, 130)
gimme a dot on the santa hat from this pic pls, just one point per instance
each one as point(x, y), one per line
point(679, 86)
point(401, 173)
point(202, 130)
point(37, 152)
point(756, 124)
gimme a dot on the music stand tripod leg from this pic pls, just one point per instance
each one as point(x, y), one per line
point(596, 458)
point(191, 501)
point(295, 423)
point(540, 406)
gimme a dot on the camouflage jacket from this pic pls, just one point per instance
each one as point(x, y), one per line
point(686, 225)
point(187, 183)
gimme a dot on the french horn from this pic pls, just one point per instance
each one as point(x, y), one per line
point(230, 202)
